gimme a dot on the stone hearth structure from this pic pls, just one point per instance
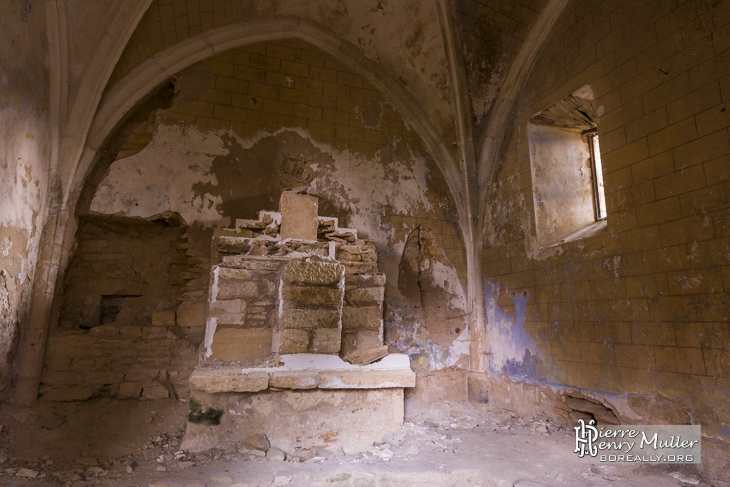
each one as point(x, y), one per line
point(290, 294)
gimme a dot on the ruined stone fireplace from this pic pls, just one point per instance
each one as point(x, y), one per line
point(294, 338)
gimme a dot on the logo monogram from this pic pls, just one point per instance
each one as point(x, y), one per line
point(585, 436)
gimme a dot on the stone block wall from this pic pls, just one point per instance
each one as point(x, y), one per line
point(243, 310)
point(362, 315)
point(311, 306)
point(242, 128)
point(121, 331)
point(639, 314)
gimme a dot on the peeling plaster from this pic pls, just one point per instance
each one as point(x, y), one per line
point(363, 189)
point(24, 166)
point(427, 315)
point(135, 187)
point(514, 351)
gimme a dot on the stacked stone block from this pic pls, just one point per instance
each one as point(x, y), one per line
point(362, 314)
point(242, 310)
point(311, 306)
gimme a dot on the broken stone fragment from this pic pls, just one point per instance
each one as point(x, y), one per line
point(274, 454)
point(326, 454)
point(255, 442)
point(27, 473)
point(394, 439)
point(155, 391)
point(251, 224)
point(364, 357)
point(258, 247)
point(301, 455)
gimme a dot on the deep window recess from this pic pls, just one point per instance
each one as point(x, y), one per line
point(567, 177)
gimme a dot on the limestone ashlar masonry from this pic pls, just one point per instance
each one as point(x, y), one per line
point(362, 315)
point(243, 308)
point(644, 306)
point(312, 291)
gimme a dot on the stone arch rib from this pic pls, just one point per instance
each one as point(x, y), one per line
point(122, 98)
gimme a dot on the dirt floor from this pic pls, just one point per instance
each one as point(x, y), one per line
point(106, 442)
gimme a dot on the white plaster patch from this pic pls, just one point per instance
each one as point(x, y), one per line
point(136, 186)
point(5, 246)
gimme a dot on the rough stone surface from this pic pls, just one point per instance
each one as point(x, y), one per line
point(298, 216)
point(364, 296)
point(275, 455)
point(294, 379)
point(303, 419)
point(310, 318)
point(129, 390)
point(76, 393)
point(311, 296)
point(250, 344)
point(309, 271)
point(258, 441)
point(366, 356)
point(478, 388)
point(357, 379)
point(325, 340)
point(229, 312)
point(210, 379)
point(294, 341)
point(364, 318)
point(229, 288)
point(155, 390)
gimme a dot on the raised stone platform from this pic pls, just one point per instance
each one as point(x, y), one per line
point(306, 371)
point(311, 401)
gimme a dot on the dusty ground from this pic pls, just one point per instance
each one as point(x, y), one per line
point(105, 442)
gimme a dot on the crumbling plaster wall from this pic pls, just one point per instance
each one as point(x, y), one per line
point(24, 165)
point(253, 121)
point(404, 37)
point(636, 317)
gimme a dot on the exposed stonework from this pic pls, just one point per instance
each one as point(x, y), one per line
point(414, 123)
point(430, 322)
point(119, 331)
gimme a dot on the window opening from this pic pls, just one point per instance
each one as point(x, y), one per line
point(567, 175)
point(599, 195)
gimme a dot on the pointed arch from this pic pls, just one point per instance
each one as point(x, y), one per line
point(129, 91)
